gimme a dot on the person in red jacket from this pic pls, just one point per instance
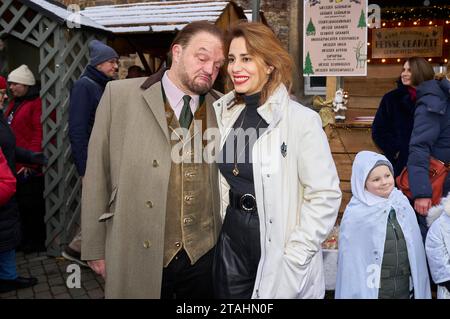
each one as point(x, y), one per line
point(9, 215)
point(24, 117)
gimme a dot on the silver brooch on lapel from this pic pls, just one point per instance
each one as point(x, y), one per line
point(284, 149)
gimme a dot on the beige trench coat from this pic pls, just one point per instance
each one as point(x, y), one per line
point(125, 188)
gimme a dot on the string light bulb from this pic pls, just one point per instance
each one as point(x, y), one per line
point(383, 60)
point(398, 60)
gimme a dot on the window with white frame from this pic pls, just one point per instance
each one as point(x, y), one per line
point(315, 85)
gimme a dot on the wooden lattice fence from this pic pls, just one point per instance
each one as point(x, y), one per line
point(63, 56)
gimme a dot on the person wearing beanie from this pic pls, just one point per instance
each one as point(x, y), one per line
point(10, 217)
point(100, 52)
point(84, 98)
point(381, 252)
point(22, 75)
point(23, 115)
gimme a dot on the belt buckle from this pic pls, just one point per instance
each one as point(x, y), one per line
point(248, 203)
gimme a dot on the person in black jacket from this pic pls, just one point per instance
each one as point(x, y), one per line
point(10, 230)
point(394, 120)
point(430, 137)
point(84, 99)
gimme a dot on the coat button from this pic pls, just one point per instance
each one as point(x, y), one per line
point(189, 174)
point(188, 220)
point(178, 244)
point(187, 198)
point(155, 163)
point(149, 204)
point(147, 243)
point(270, 221)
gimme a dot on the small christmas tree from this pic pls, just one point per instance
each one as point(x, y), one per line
point(362, 20)
point(308, 65)
point(310, 29)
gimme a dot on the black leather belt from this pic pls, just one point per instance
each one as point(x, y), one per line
point(243, 202)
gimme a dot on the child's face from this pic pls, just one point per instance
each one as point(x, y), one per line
point(380, 181)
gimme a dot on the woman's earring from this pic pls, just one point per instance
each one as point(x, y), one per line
point(269, 70)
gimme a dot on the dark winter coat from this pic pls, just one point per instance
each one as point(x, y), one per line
point(9, 213)
point(393, 124)
point(430, 136)
point(84, 99)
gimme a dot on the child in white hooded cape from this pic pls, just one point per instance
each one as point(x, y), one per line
point(363, 232)
point(437, 246)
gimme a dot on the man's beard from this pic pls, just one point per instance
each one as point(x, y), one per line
point(191, 85)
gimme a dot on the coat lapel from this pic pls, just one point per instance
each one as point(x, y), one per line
point(154, 99)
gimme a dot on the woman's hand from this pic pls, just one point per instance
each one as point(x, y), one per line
point(422, 205)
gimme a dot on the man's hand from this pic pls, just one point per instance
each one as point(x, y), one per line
point(98, 266)
point(422, 205)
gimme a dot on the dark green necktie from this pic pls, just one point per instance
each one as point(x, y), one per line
point(186, 114)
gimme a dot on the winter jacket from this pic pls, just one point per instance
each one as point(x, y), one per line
point(430, 136)
point(84, 98)
point(437, 247)
point(24, 115)
point(297, 194)
point(7, 181)
point(9, 213)
point(395, 270)
point(393, 124)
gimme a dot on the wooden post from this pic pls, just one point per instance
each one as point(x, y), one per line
point(255, 10)
point(332, 86)
point(295, 46)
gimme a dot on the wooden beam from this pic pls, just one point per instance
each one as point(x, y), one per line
point(141, 56)
point(295, 46)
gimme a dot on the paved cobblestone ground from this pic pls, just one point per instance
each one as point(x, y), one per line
point(52, 274)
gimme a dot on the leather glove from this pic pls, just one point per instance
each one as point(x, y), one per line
point(39, 158)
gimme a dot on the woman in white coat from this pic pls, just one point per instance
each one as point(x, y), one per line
point(437, 246)
point(280, 189)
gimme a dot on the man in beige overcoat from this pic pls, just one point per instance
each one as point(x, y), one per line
point(150, 207)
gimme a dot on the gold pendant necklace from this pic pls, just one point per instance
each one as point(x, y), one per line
point(236, 169)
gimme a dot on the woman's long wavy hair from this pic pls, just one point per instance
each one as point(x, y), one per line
point(264, 45)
